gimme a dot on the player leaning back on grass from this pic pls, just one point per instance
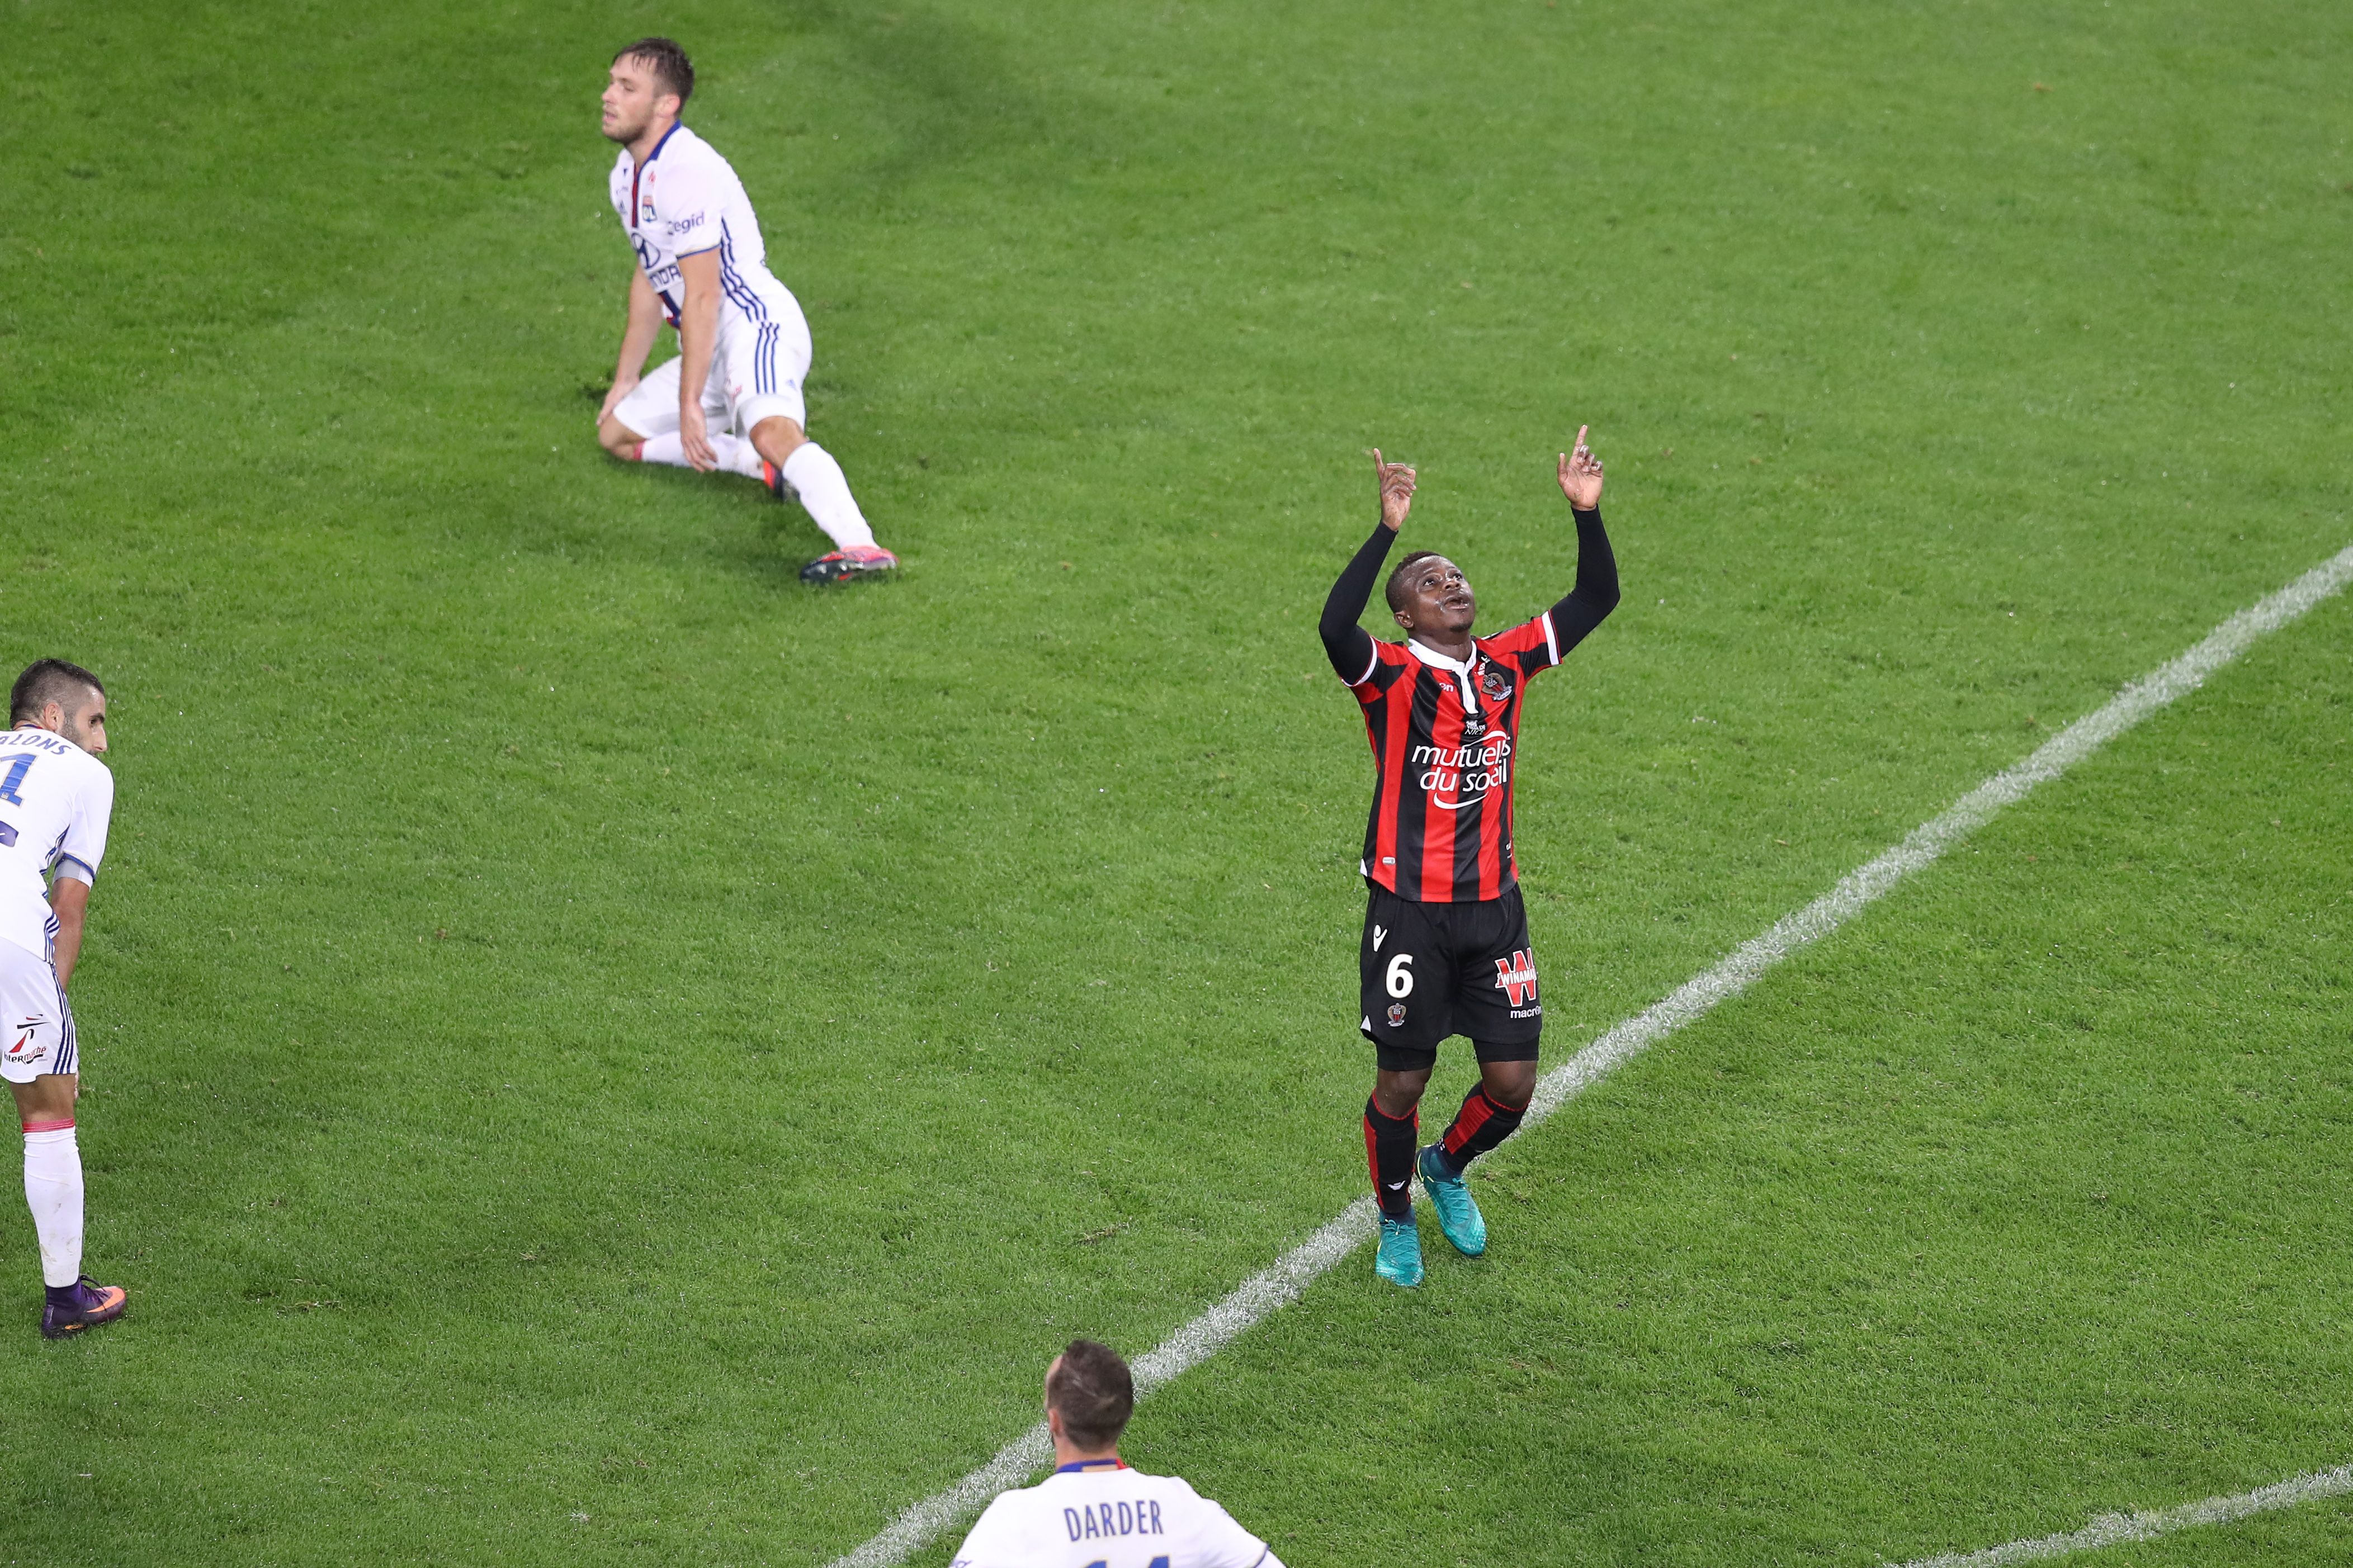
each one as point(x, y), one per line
point(732, 399)
point(56, 798)
point(1446, 947)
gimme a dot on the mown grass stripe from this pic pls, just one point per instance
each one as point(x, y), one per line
point(1277, 1286)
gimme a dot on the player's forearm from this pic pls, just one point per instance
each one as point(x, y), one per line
point(1345, 643)
point(645, 324)
point(637, 343)
point(1588, 604)
point(698, 335)
point(69, 901)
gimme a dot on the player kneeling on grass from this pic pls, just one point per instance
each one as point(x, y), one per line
point(1446, 947)
point(55, 799)
point(1093, 1511)
point(732, 399)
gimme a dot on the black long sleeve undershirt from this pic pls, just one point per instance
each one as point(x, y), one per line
point(1583, 608)
point(1346, 644)
point(1588, 604)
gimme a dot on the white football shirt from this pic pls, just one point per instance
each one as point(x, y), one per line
point(1109, 1519)
point(55, 800)
point(685, 199)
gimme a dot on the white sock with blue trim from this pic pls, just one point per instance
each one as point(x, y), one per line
point(824, 491)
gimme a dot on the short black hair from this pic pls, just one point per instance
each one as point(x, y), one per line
point(1398, 593)
point(1095, 1393)
point(48, 681)
point(673, 70)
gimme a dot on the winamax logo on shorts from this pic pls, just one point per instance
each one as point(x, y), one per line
point(1462, 777)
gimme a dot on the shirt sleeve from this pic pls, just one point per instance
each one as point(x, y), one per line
point(84, 844)
point(689, 203)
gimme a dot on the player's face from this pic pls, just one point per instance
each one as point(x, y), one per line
point(631, 99)
point(1438, 598)
point(86, 727)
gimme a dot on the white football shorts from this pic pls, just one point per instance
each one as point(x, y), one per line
point(756, 371)
point(36, 1028)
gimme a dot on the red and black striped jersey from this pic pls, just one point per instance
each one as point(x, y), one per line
point(1445, 736)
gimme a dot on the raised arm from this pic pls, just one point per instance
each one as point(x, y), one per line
point(1596, 593)
point(1347, 645)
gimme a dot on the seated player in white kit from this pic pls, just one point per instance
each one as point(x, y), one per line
point(732, 399)
point(55, 799)
point(1093, 1511)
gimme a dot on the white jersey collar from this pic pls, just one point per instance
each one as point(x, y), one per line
point(1460, 670)
point(1431, 655)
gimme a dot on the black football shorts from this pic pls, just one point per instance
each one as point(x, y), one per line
point(1434, 970)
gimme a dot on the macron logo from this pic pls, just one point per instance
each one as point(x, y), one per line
point(1378, 932)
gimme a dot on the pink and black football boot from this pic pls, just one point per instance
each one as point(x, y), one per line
point(842, 565)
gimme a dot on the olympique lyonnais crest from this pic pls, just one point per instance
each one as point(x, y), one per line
point(1515, 977)
point(1397, 1014)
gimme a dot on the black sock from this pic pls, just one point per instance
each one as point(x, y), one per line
point(1388, 1151)
point(1482, 1123)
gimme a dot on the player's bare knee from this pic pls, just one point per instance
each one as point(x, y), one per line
point(1398, 1092)
point(1509, 1084)
point(777, 438)
point(618, 438)
point(48, 1098)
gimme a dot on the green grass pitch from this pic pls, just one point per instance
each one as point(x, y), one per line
point(596, 1053)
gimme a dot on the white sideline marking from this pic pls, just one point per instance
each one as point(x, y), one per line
point(1276, 1287)
point(2115, 1528)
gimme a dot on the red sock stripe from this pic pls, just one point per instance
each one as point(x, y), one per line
point(1473, 1115)
point(49, 1126)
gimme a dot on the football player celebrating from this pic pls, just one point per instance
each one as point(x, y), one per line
point(732, 399)
point(55, 799)
point(1446, 947)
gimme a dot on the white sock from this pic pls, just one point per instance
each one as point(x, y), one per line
point(736, 455)
point(53, 1192)
point(824, 491)
point(670, 449)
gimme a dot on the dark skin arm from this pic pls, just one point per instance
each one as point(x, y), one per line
point(1596, 593)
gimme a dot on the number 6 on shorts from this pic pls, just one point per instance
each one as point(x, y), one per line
point(1400, 977)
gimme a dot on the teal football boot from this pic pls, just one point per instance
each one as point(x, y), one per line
point(1458, 1211)
point(1398, 1261)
